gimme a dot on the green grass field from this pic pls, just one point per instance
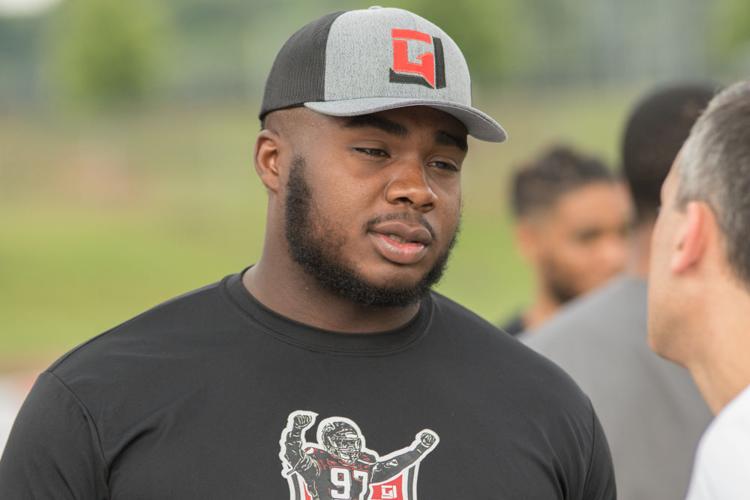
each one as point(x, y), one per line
point(100, 219)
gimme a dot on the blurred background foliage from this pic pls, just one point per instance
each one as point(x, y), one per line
point(106, 52)
point(127, 128)
point(109, 50)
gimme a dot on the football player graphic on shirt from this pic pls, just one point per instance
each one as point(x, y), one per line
point(339, 466)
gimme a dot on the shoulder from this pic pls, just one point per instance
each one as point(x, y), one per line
point(142, 350)
point(597, 318)
point(598, 340)
point(513, 326)
point(527, 395)
point(515, 367)
point(726, 443)
point(722, 458)
point(451, 316)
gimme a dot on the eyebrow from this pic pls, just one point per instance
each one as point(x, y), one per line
point(387, 126)
point(393, 128)
point(446, 139)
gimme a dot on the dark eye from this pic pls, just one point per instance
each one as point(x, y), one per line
point(375, 152)
point(444, 165)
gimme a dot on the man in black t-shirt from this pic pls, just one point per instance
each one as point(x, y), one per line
point(212, 394)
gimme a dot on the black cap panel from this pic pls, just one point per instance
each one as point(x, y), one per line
point(298, 73)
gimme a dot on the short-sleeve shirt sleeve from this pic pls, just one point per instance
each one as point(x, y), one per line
point(600, 479)
point(53, 450)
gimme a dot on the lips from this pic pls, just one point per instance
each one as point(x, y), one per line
point(400, 242)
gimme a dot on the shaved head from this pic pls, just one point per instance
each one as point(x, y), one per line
point(288, 122)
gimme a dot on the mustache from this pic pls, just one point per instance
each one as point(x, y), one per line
point(402, 216)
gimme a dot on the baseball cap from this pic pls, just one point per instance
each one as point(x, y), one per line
point(364, 61)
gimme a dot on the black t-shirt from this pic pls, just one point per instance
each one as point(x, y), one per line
point(514, 326)
point(212, 395)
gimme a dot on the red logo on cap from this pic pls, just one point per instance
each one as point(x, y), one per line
point(427, 70)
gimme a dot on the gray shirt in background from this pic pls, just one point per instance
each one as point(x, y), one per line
point(651, 412)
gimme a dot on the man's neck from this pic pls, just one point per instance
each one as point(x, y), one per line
point(541, 310)
point(721, 369)
point(719, 385)
point(287, 290)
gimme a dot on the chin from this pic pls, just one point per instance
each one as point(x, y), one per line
point(662, 341)
point(396, 276)
point(394, 282)
point(653, 342)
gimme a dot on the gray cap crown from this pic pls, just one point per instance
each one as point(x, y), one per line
point(364, 61)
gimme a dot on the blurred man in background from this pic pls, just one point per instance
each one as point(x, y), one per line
point(699, 286)
point(650, 409)
point(572, 220)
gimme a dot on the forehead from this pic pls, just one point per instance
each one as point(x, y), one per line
point(414, 119)
point(594, 202)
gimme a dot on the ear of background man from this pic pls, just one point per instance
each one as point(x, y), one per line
point(693, 236)
point(650, 409)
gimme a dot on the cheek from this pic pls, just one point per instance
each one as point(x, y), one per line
point(576, 255)
point(659, 243)
point(577, 262)
point(451, 215)
point(564, 264)
point(661, 293)
point(448, 196)
point(659, 265)
point(659, 301)
point(341, 203)
point(445, 218)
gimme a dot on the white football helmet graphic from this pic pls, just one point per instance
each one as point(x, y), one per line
point(341, 439)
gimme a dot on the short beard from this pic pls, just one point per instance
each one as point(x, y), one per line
point(317, 255)
point(557, 284)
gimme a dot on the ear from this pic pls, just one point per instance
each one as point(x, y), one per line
point(692, 238)
point(267, 156)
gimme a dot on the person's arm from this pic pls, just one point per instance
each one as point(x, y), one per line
point(53, 450)
point(393, 466)
point(297, 459)
point(600, 478)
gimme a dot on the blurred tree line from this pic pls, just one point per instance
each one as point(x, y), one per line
point(103, 53)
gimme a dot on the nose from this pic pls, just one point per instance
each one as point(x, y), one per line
point(410, 185)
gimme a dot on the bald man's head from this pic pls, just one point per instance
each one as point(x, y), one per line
point(288, 122)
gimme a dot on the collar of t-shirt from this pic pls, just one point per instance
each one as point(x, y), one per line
point(316, 339)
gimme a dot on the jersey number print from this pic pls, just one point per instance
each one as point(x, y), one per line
point(339, 466)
